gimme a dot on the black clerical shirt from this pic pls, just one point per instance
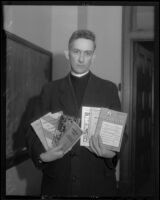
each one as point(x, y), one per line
point(79, 85)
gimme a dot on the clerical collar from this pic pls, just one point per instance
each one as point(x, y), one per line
point(79, 75)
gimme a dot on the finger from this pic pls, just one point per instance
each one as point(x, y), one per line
point(100, 143)
point(104, 151)
point(59, 154)
point(96, 145)
point(55, 150)
point(58, 148)
point(92, 146)
point(51, 155)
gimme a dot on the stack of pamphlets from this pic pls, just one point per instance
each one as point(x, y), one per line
point(54, 129)
point(107, 123)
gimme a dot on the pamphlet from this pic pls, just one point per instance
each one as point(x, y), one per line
point(70, 137)
point(84, 140)
point(46, 128)
point(56, 128)
point(37, 126)
point(107, 123)
point(89, 121)
point(110, 127)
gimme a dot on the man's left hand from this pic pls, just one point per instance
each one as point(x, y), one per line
point(96, 146)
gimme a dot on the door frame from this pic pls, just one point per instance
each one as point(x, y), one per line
point(128, 38)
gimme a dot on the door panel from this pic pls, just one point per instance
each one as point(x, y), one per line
point(143, 116)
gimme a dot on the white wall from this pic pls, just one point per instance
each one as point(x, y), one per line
point(106, 22)
point(64, 22)
point(32, 23)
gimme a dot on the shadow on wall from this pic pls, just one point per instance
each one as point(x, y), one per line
point(25, 179)
point(60, 67)
point(32, 177)
point(29, 179)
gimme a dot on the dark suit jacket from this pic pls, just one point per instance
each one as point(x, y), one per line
point(79, 172)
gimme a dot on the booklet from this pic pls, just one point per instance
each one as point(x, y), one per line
point(110, 127)
point(56, 128)
point(88, 123)
point(84, 140)
point(71, 135)
point(107, 123)
point(46, 128)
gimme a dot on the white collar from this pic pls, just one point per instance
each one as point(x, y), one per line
point(79, 75)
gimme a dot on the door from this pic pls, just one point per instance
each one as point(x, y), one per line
point(143, 119)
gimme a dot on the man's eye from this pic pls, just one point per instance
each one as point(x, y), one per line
point(89, 53)
point(75, 51)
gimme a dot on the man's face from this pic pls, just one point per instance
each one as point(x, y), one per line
point(81, 55)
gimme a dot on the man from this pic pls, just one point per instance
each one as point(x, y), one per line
point(82, 171)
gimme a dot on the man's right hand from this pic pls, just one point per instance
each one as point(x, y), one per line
point(52, 154)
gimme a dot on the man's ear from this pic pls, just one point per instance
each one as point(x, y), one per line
point(66, 53)
point(93, 58)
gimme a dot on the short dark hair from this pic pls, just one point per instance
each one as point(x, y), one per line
point(83, 33)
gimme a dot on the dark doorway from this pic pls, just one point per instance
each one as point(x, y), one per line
point(143, 117)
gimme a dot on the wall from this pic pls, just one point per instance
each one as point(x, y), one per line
point(106, 22)
point(32, 23)
point(24, 179)
point(64, 22)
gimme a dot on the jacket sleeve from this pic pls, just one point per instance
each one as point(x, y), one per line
point(115, 105)
point(33, 143)
point(35, 148)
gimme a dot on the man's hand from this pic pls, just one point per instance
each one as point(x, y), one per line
point(96, 146)
point(52, 154)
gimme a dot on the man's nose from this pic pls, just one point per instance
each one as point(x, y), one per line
point(81, 57)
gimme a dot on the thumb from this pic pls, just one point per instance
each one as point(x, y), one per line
point(58, 148)
point(53, 155)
